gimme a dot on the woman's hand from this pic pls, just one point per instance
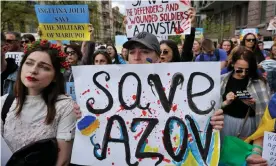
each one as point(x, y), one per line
point(217, 119)
point(256, 160)
point(77, 111)
point(192, 18)
point(249, 102)
point(230, 97)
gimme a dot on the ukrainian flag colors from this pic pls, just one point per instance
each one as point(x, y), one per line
point(88, 125)
point(63, 22)
point(268, 122)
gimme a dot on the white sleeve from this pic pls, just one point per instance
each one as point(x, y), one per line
point(67, 122)
point(3, 99)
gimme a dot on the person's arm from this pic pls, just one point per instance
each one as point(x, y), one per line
point(65, 131)
point(88, 47)
point(255, 159)
point(187, 54)
point(64, 152)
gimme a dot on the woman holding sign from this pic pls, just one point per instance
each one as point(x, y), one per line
point(244, 93)
point(38, 123)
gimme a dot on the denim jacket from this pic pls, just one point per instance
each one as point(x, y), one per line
point(9, 83)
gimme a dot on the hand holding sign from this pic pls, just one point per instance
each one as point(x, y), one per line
point(255, 160)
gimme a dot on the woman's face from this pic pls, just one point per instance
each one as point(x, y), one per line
point(241, 69)
point(226, 45)
point(72, 56)
point(196, 46)
point(250, 41)
point(37, 72)
point(111, 52)
point(100, 60)
point(166, 53)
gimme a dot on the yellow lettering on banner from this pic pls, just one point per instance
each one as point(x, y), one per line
point(77, 32)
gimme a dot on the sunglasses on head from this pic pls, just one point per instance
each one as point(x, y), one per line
point(239, 71)
point(164, 52)
point(250, 40)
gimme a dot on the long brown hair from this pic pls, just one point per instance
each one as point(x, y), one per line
point(242, 53)
point(50, 93)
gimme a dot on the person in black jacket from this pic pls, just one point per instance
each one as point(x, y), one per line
point(8, 66)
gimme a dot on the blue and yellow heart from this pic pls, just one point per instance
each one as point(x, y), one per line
point(88, 125)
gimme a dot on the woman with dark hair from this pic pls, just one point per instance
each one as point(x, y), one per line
point(112, 51)
point(250, 42)
point(74, 57)
point(26, 39)
point(169, 51)
point(101, 58)
point(227, 45)
point(242, 90)
point(39, 108)
point(74, 54)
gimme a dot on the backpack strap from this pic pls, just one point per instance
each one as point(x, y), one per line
point(216, 52)
point(6, 107)
point(201, 57)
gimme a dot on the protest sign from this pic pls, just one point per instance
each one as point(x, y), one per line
point(198, 34)
point(269, 148)
point(63, 22)
point(119, 41)
point(148, 114)
point(255, 31)
point(272, 24)
point(15, 55)
point(157, 17)
point(70, 90)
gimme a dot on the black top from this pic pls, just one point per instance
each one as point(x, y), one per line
point(187, 54)
point(237, 108)
point(11, 67)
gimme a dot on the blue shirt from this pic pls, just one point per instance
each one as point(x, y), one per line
point(222, 54)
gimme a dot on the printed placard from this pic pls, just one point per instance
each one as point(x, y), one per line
point(119, 41)
point(148, 114)
point(15, 55)
point(63, 22)
point(157, 17)
point(70, 90)
point(269, 148)
point(243, 32)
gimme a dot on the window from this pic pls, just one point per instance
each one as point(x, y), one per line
point(263, 12)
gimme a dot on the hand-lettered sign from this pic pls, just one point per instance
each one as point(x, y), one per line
point(157, 17)
point(149, 114)
point(15, 55)
point(269, 148)
point(63, 22)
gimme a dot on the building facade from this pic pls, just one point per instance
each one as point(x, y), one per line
point(224, 19)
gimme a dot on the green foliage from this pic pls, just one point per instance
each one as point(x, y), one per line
point(16, 12)
point(175, 38)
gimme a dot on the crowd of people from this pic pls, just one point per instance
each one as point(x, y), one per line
point(35, 106)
